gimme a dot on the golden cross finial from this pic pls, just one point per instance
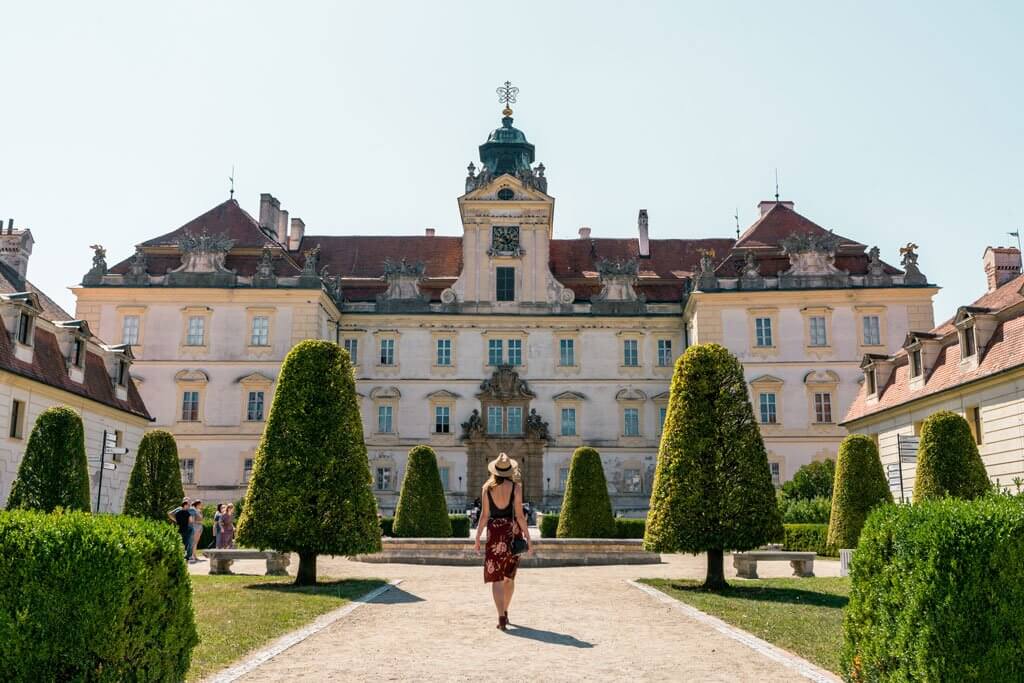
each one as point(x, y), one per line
point(507, 95)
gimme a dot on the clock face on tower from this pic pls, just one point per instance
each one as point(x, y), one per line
point(505, 240)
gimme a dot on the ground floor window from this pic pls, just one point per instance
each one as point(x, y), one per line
point(445, 473)
point(776, 471)
point(188, 470)
point(631, 481)
point(246, 470)
point(563, 478)
point(383, 479)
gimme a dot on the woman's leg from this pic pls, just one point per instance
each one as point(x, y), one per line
point(498, 592)
point(510, 587)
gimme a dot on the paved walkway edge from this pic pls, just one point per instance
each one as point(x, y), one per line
point(259, 657)
point(787, 659)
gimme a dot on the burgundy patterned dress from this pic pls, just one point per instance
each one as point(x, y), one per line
point(499, 562)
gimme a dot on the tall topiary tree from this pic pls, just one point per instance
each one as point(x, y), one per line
point(422, 509)
point(948, 463)
point(155, 484)
point(310, 487)
point(712, 488)
point(860, 485)
point(586, 508)
point(54, 472)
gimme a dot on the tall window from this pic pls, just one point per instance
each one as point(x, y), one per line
point(442, 419)
point(568, 422)
point(664, 352)
point(515, 420)
point(631, 421)
point(121, 378)
point(130, 330)
point(260, 334)
point(384, 416)
point(819, 336)
point(445, 473)
point(15, 430)
point(505, 283)
point(774, 468)
point(916, 366)
point(25, 329)
point(567, 352)
point(767, 402)
point(254, 409)
point(515, 351)
point(869, 377)
point(352, 346)
point(190, 406)
point(630, 354)
point(969, 345)
point(662, 412)
point(563, 478)
point(444, 352)
point(383, 479)
point(196, 331)
point(823, 407)
point(188, 470)
point(494, 425)
point(974, 420)
point(246, 470)
point(78, 353)
point(494, 351)
point(872, 330)
point(763, 331)
point(387, 351)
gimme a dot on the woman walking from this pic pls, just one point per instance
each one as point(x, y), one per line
point(227, 527)
point(502, 515)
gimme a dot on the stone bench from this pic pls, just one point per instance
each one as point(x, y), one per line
point(222, 558)
point(547, 552)
point(746, 563)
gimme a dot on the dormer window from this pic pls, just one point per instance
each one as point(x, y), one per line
point(968, 342)
point(121, 377)
point(78, 353)
point(25, 320)
point(869, 377)
point(916, 363)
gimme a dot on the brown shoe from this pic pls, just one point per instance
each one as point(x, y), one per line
point(502, 623)
point(507, 620)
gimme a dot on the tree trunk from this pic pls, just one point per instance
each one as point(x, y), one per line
point(715, 579)
point(306, 576)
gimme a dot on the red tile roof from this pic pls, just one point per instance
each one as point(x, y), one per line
point(228, 219)
point(778, 223)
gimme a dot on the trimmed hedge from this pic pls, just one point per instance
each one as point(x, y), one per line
point(422, 510)
point(860, 486)
point(948, 463)
point(624, 528)
point(806, 538)
point(460, 526)
point(93, 598)
point(586, 508)
point(54, 472)
point(805, 511)
point(155, 484)
point(548, 525)
point(936, 590)
point(813, 480)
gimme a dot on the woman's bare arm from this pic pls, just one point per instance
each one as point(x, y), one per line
point(485, 514)
point(520, 515)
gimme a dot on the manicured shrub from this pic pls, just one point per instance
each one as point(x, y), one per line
point(93, 598)
point(586, 508)
point(155, 484)
point(805, 511)
point(422, 510)
point(630, 528)
point(387, 525)
point(860, 486)
point(806, 538)
point(936, 590)
point(460, 526)
point(813, 480)
point(548, 525)
point(948, 463)
point(310, 487)
point(712, 487)
point(54, 472)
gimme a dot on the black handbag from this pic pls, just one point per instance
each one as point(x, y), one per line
point(518, 545)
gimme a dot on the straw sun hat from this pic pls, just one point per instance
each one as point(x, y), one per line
point(503, 466)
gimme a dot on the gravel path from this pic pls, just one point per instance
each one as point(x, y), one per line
point(571, 623)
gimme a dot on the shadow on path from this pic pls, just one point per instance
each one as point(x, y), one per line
point(547, 637)
point(397, 596)
point(794, 596)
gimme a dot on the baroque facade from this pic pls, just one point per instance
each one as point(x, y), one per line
point(500, 339)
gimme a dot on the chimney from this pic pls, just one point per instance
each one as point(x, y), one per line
point(645, 243)
point(766, 206)
point(431, 232)
point(1002, 264)
point(269, 208)
point(15, 247)
point(584, 233)
point(282, 227)
point(297, 233)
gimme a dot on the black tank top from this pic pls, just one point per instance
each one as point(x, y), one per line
point(505, 512)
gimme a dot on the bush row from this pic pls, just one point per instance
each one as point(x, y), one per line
point(805, 510)
point(807, 538)
point(624, 528)
point(460, 526)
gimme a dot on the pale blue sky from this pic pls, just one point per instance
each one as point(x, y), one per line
point(888, 122)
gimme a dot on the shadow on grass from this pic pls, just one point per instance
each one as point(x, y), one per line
point(794, 596)
point(548, 637)
point(342, 588)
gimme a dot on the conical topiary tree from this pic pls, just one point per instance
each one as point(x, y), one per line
point(586, 508)
point(712, 488)
point(948, 463)
point(155, 484)
point(422, 510)
point(54, 472)
point(310, 487)
point(860, 485)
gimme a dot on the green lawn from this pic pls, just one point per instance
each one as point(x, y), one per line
point(238, 614)
point(804, 616)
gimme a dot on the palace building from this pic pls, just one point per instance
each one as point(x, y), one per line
point(500, 337)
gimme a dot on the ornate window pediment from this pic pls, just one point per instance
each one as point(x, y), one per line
point(443, 394)
point(385, 392)
point(504, 385)
point(569, 396)
point(191, 376)
point(630, 395)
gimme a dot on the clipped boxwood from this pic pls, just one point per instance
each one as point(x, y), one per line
point(806, 538)
point(948, 463)
point(422, 510)
point(54, 472)
point(460, 526)
point(624, 528)
point(155, 484)
point(935, 595)
point(860, 486)
point(586, 508)
point(548, 525)
point(805, 511)
point(387, 525)
point(93, 598)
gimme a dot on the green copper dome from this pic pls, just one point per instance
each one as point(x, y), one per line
point(506, 149)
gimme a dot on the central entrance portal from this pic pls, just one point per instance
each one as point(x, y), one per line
point(506, 423)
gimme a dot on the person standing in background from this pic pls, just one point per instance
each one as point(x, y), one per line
point(216, 525)
point(227, 524)
point(197, 527)
point(182, 516)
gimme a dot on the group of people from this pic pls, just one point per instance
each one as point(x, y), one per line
point(189, 518)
